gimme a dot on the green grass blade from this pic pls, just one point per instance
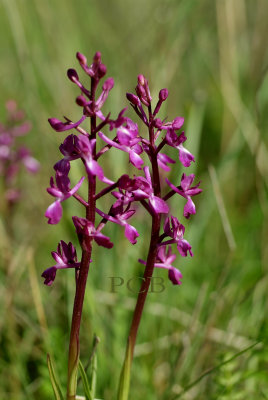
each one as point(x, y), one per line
point(125, 377)
point(213, 369)
point(55, 384)
point(85, 382)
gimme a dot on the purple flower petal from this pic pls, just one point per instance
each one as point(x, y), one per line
point(177, 123)
point(65, 257)
point(76, 187)
point(185, 156)
point(186, 191)
point(131, 233)
point(135, 159)
point(173, 140)
point(184, 247)
point(186, 181)
point(189, 208)
point(110, 141)
point(102, 240)
point(175, 276)
point(49, 275)
point(54, 213)
point(125, 136)
point(59, 126)
point(163, 160)
point(94, 168)
point(159, 205)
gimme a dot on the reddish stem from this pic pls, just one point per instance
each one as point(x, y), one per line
point(156, 219)
point(74, 347)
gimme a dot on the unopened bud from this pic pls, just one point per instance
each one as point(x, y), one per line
point(102, 70)
point(141, 80)
point(72, 75)
point(81, 58)
point(97, 57)
point(81, 101)
point(163, 94)
point(133, 99)
point(108, 84)
point(158, 123)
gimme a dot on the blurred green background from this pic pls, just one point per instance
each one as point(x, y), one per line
point(212, 56)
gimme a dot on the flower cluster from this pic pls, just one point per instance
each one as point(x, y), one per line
point(88, 143)
point(13, 155)
point(144, 187)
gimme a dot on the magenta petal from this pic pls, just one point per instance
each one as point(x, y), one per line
point(49, 275)
point(57, 257)
point(181, 139)
point(175, 276)
point(31, 164)
point(94, 168)
point(102, 240)
point(131, 233)
point(189, 208)
point(159, 205)
point(177, 123)
point(186, 181)
point(76, 187)
point(64, 126)
point(124, 136)
point(63, 166)
point(173, 187)
point(183, 247)
point(108, 181)
point(163, 160)
point(185, 156)
point(136, 147)
point(54, 213)
point(166, 227)
point(147, 175)
point(100, 115)
point(135, 159)
point(54, 192)
point(126, 215)
point(194, 190)
point(110, 142)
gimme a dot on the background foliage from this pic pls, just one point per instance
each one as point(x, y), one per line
point(212, 56)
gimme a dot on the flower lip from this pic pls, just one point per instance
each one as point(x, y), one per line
point(65, 257)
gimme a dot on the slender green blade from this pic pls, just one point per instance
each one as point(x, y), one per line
point(55, 384)
point(125, 376)
point(85, 382)
point(93, 368)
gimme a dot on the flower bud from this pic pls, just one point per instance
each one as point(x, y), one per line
point(133, 99)
point(81, 101)
point(158, 123)
point(56, 124)
point(97, 58)
point(81, 58)
point(102, 69)
point(163, 94)
point(142, 90)
point(72, 75)
point(141, 80)
point(108, 84)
